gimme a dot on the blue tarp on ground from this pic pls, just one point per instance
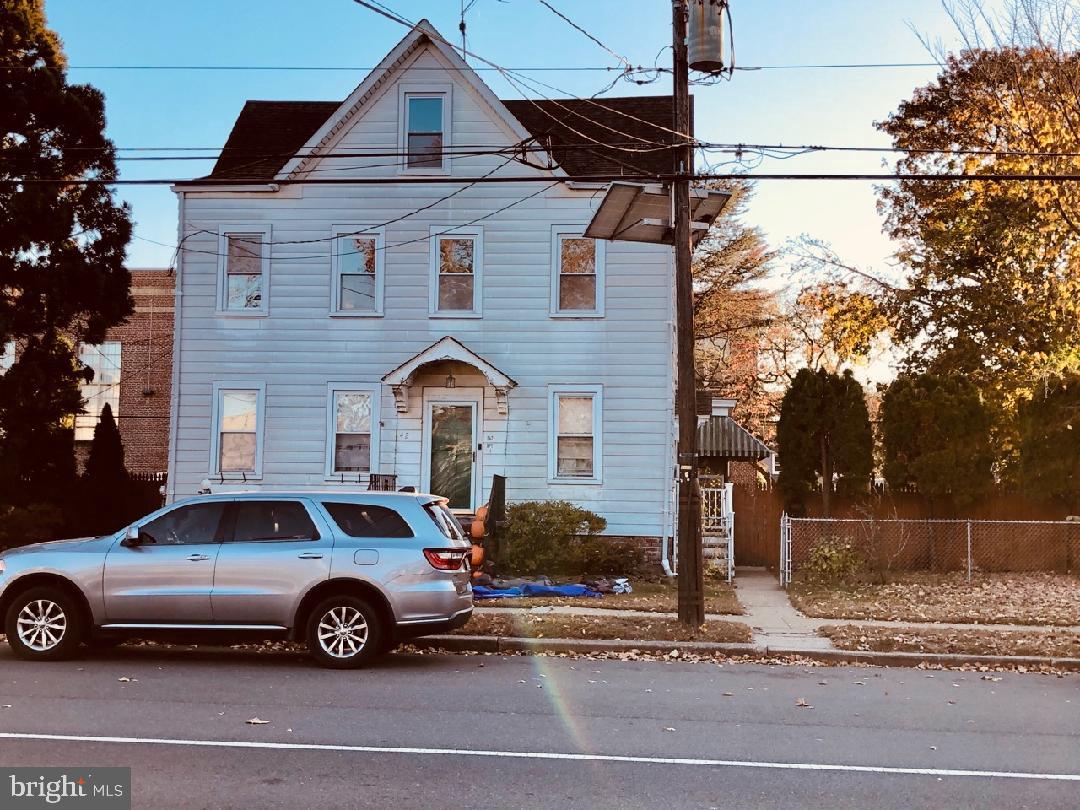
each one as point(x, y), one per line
point(529, 589)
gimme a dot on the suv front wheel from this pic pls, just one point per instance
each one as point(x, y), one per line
point(44, 624)
point(344, 632)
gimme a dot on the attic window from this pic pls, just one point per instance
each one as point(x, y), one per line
point(424, 128)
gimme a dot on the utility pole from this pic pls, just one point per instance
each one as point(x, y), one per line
point(691, 574)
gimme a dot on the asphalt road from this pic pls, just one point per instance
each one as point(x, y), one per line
point(495, 732)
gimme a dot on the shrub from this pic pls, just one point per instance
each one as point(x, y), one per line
point(832, 560)
point(557, 537)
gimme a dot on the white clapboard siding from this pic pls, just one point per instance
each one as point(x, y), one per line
point(297, 348)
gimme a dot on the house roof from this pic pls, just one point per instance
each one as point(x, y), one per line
point(723, 437)
point(267, 134)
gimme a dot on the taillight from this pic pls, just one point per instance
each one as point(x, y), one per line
point(445, 559)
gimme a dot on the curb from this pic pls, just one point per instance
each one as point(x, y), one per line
point(509, 644)
point(505, 644)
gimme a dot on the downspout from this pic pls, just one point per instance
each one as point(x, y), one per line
point(178, 321)
point(669, 453)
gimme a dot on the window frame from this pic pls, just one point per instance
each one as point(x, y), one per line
point(437, 234)
point(221, 306)
point(379, 235)
point(555, 393)
point(435, 90)
point(96, 417)
point(330, 434)
point(558, 234)
point(219, 387)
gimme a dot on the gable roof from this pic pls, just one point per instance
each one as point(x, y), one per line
point(267, 134)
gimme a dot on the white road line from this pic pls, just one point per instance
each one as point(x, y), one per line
point(465, 752)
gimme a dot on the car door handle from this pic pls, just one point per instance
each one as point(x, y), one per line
point(198, 557)
point(310, 555)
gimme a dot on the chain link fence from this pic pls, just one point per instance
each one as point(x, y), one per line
point(938, 546)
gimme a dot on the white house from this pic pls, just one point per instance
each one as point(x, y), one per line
point(436, 331)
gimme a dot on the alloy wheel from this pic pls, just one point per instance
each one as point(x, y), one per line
point(41, 625)
point(342, 632)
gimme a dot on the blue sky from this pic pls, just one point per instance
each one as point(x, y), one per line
point(197, 108)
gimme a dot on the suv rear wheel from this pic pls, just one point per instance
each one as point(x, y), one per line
point(344, 632)
point(44, 624)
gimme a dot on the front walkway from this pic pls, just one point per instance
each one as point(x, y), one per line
point(777, 625)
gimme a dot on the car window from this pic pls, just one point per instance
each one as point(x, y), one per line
point(446, 521)
point(367, 520)
point(272, 520)
point(194, 523)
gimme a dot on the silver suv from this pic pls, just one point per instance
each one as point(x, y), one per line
point(350, 574)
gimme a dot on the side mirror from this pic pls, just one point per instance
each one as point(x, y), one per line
point(131, 537)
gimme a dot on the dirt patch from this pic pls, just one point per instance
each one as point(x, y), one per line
point(601, 627)
point(652, 597)
point(1044, 599)
point(1060, 644)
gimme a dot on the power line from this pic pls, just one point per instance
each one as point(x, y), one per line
point(810, 148)
point(369, 229)
point(847, 66)
point(482, 150)
point(626, 62)
point(531, 69)
point(330, 68)
point(379, 8)
point(585, 178)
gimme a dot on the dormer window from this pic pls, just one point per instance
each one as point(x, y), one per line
point(425, 128)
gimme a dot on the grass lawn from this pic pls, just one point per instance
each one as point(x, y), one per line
point(600, 627)
point(1036, 598)
point(1061, 643)
point(654, 597)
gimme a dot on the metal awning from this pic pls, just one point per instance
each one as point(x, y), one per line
point(641, 212)
point(723, 438)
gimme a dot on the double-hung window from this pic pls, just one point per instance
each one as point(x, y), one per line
point(357, 270)
point(238, 428)
point(576, 433)
point(577, 283)
point(457, 259)
point(425, 127)
point(104, 360)
point(244, 269)
point(352, 434)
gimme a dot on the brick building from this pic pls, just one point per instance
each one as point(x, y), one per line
point(133, 374)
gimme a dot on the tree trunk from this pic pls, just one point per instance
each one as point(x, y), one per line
point(826, 475)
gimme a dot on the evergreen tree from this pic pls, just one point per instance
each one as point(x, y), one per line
point(106, 476)
point(62, 274)
point(1049, 427)
point(37, 451)
point(823, 435)
point(935, 435)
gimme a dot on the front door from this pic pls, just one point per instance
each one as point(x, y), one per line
point(450, 452)
point(168, 576)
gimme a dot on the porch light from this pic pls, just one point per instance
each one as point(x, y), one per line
point(451, 380)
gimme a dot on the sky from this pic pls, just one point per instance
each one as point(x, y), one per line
point(196, 108)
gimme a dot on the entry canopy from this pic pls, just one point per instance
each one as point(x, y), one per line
point(447, 348)
point(641, 212)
